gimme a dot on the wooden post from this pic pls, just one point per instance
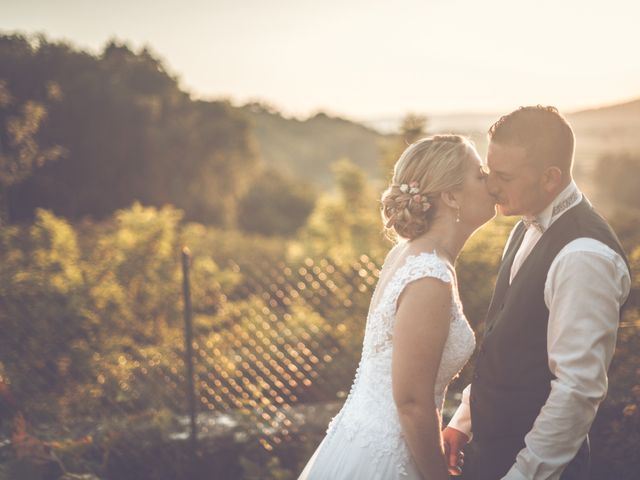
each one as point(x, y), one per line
point(188, 343)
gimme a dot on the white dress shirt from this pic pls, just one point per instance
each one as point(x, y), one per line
point(585, 287)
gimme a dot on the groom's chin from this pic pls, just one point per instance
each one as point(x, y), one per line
point(504, 210)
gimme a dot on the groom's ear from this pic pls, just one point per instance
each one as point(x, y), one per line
point(450, 200)
point(552, 179)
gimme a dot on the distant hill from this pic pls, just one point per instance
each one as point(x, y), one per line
point(466, 123)
point(307, 148)
point(605, 130)
point(631, 109)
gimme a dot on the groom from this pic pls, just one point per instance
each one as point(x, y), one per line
point(550, 332)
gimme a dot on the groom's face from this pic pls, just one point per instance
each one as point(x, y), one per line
point(514, 181)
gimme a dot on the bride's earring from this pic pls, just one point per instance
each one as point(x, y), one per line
point(458, 215)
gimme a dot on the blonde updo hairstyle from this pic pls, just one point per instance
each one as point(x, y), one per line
point(425, 169)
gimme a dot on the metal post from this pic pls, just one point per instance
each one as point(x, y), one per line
point(188, 342)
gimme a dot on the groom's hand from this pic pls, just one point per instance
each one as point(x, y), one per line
point(454, 441)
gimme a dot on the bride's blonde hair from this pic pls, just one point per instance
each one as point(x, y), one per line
point(425, 169)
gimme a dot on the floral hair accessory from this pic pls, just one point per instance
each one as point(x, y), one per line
point(418, 199)
point(411, 188)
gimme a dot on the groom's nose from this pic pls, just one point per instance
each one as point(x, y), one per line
point(492, 188)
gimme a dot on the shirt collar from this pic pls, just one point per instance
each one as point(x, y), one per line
point(566, 199)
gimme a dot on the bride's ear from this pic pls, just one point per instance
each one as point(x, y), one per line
point(450, 200)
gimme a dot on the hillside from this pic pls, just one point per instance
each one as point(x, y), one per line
point(610, 129)
point(629, 109)
point(307, 148)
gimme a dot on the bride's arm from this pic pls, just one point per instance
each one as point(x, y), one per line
point(420, 332)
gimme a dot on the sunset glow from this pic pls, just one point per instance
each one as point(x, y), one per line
point(368, 59)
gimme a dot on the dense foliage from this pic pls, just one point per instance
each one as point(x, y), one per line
point(85, 135)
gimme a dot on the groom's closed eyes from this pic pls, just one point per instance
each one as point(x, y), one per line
point(504, 176)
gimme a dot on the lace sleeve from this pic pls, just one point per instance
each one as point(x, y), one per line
point(416, 267)
point(379, 330)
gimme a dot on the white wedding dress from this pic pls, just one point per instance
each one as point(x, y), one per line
point(365, 440)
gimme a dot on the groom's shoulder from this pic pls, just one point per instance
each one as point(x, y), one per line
point(584, 220)
point(592, 233)
point(594, 225)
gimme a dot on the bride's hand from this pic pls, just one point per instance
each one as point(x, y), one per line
point(454, 441)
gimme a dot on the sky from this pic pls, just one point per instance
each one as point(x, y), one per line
point(367, 59)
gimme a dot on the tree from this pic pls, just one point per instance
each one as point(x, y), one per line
point(20, 151)
point(412, 128)
point(130, 134)
point(275, 204)
point(346, 224)
point(49, 337)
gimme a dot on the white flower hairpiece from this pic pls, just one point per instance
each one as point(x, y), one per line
point(411, 188)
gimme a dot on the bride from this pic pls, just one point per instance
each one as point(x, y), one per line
point(416, 337)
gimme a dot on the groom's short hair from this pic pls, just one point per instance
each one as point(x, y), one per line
point(542, 131)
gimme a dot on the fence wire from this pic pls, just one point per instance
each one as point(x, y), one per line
point(285, 338)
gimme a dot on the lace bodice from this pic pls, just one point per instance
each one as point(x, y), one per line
point(369, 416)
